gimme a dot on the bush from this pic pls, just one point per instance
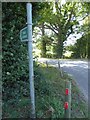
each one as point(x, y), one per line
point(41, 85)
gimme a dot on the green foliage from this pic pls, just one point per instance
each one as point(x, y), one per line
point(81, 48)
point(56, 97)
point(16, 101)
point(62, 20)
point(41, 85)
point(15, 54)
point(49, 89)
point(16, 108)
point(37, 7)
point(15, 62)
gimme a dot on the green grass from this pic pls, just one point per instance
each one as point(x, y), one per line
point(57, 94)
point(50, 97)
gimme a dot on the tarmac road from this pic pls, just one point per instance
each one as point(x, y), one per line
point(78, 69)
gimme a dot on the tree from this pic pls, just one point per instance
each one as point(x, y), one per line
point(43, 54)
point(81, 47)
point(83, 43)
point(62, 22)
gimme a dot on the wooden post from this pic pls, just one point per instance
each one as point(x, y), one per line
point(67, 104)
point(47, 64)
point(61, 73)
point(58, 64)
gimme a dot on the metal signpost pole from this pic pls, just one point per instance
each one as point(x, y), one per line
point(31, 74)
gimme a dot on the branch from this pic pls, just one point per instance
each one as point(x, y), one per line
point(54, 26)
point(84, 17)
point(50, 27)
point(58, 8)
point(68, 34)
point(36, 33)
point(68, 21)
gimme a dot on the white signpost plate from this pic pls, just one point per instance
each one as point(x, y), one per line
point(24, 34)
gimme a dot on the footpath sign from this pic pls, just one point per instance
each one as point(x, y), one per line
point(24, 34)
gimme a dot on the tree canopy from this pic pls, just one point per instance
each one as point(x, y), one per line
point(62, 20)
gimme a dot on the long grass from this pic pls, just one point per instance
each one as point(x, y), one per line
point(49, 97)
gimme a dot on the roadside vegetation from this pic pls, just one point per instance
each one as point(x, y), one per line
point(49, 85)
point(50, 96)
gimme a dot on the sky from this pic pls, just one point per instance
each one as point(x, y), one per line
point(71, 40)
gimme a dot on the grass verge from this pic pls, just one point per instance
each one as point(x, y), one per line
point(50, 97)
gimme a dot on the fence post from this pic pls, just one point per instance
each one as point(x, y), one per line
point(47, 64)
point(67, 104)
point(58, 64)
point(61, 72)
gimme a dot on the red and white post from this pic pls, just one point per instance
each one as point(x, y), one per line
point(67, 104)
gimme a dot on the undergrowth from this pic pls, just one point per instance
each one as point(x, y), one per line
point(49, 96)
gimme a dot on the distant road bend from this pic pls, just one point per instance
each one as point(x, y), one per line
point(77, 68)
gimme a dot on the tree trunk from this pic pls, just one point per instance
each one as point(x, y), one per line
point(43, 54)
point(59, 47)
point(43, 48)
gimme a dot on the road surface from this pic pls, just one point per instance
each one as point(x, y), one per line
point(78, 69)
